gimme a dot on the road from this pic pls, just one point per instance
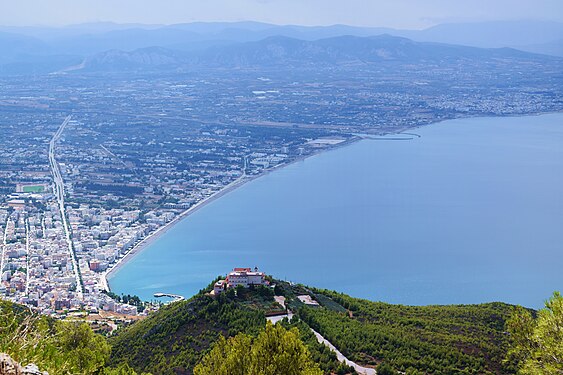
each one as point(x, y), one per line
point(27, 257)
point(278, 318)
point(111, 154)
point(59, 191)
point(341, 358)
point(4, 238)
point(359, 369)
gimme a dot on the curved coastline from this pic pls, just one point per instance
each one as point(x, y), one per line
point(145, 242)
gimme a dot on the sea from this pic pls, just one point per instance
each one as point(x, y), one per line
point(465, 211)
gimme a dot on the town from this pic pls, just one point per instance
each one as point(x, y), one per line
point(91, 166)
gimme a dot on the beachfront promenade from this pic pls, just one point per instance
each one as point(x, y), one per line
point(143, 243)
point(102, 209)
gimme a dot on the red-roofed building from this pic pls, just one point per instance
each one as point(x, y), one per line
point(246, 277)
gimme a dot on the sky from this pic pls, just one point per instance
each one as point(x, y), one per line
point(406, 14)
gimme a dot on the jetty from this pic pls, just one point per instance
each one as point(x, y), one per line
point(175, 297)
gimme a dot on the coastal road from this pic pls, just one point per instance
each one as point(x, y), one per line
point(59, 191)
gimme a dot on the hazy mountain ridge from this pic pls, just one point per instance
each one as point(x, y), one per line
point(94, 36)
point(492, 34)
point(284, 51)
point(117, 60)
point(28, 50)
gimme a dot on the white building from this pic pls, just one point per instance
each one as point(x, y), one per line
point(245, 277)
point(219, 287)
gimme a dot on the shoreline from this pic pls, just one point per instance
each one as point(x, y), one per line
point(143, 243)
point(241, 181)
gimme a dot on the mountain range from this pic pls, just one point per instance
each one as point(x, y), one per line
point(46, 49)
point(96, 37)
point(287, 52)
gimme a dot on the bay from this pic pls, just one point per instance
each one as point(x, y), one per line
point(470, 212)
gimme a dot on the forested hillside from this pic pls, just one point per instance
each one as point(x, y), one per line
point(456, 339)
point(176, 338)
point(464, 339)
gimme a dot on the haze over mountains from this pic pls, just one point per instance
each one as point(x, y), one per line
point(286, 52)
point(99, 46)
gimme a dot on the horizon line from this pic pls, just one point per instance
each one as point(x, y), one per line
point(161, 25)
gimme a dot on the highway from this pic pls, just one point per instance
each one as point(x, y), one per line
point(4, 238)
point(60, 195)
point(27, 256)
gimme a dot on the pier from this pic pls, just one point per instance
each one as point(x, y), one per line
point(175, 297)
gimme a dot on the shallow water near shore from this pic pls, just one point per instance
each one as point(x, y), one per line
point(470, 212)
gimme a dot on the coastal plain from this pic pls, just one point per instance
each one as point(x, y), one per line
point(129, 142)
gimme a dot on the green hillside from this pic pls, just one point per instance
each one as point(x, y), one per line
point(460, 339)
point(174, 340)
point(468, 339)
point(55, 346)
point(464, 339)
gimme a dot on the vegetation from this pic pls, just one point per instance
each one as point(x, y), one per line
point(320, 353)
point(175, 339)
point(429, 339)
point(537, 343)
point(274, 351)
point(55, 346)
point(228, 334)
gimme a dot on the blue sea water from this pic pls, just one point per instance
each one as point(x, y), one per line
point(470, 212)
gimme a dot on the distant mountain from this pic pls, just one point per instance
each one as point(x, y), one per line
point(491, 34)
point(554, 48)
point(21, 46)
point(14, 45)
point(27, 55)
point(96, 37)
point(284, 51)
point(145, 58)
point(127, 40)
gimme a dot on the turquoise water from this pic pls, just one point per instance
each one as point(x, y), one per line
point(470, 212)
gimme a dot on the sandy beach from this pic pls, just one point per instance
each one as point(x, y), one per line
point(145, 242)
point(142, 244)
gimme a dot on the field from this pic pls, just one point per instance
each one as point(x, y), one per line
point(33, 189)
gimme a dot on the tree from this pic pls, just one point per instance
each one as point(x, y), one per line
point(227, 357)
point(278, 290)
point(122, 369)
point(537, 344)
point(385, 369)
point(55, 346)
point(275, 351)
point(86, 350)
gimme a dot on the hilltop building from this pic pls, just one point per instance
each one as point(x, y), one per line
point(241, 276)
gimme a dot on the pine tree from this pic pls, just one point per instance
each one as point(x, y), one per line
point(275, 351)
point(537, 344)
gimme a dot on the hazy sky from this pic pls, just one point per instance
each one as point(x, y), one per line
point(388, 13)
